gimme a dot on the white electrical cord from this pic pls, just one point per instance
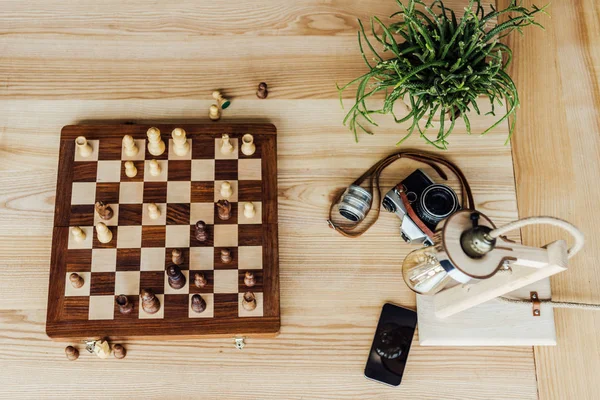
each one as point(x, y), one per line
point(579, 240)
point(577, 235)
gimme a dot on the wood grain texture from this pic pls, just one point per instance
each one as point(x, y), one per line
point(163, 61)
point(557, 165)
point(125, 51)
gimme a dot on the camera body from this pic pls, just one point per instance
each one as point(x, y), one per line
point(431, 202)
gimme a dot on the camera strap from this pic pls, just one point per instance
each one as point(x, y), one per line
point(373, 174)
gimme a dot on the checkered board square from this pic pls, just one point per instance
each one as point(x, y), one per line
point(185, 191)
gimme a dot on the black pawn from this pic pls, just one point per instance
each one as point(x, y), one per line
point(176, 277)
point(201, 234)
point(198, 303)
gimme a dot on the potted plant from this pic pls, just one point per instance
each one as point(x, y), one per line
point(439, 66)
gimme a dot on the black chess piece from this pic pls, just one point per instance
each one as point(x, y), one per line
point(198, 303)
point(201, 234)
point(176, 277)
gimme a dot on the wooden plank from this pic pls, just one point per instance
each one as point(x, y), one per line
point(124, 51)
point(557, 146)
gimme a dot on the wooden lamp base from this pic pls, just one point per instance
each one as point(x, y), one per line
point(493, 323)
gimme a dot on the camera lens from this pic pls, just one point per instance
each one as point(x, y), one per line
point(436, 203)
point(355, 203)
point(388, 205)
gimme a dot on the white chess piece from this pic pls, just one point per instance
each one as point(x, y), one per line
point(222, 101)
point(214, 113)
point(78, 234)
point(104, 234)
point(226, 190)
point(249, 210)
point(130, 169)
point(83, 147)
point(153, 211)
point(181, 147)
point(154, 168)
point(131, 149)
point(155, 144)
point(226, 146)
point(248, 147)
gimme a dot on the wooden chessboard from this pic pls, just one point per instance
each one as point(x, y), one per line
point(186, 191)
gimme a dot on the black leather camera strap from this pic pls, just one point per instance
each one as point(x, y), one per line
point(373, 174)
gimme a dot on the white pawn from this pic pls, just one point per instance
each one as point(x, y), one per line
point(226, 146)
point(130, 169)
point(249, 210)
point(104, 234)
point(78, 234)
point(153, 211)
point(214, 113)
point(248, 147)
point(83, 147)
point(154, 167)
point(155, 144)
point(180, 145)
point(226, 190)
point(131, 148)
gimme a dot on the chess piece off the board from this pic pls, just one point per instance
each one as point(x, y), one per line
point(249, 210)
point(180, 145)
point(198, 303)
point(249, 301)
point(222, 101)
point(176, 278)
point(201, 234)
point(248, 146)
point(78, 234)
point(214, 113)
point(104, 210)
point(226, 190)
point(154, 168)
point(83, 147)
point(249, 279)
point(103, 233)
point(131, 149)
point(119, 351)
point(224, 210)
point(72, 353)
point(130, 169)
point(125, 306)
point(200, 280)
point(102, 348)
point(76, 280)
point(177, 256)
point(150, 303)
point(156, 146)
point(262, 91)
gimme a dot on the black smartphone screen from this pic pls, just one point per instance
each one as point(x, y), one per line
point(389, 351)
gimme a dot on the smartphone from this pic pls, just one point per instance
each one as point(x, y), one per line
point(391, 344)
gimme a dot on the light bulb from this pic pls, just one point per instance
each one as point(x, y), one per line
point(423, 272)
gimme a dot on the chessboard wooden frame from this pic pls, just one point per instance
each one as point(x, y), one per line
point(268, 324)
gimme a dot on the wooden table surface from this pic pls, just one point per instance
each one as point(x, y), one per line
point(65, 63)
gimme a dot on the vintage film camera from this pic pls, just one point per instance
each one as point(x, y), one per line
point(431, 202)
